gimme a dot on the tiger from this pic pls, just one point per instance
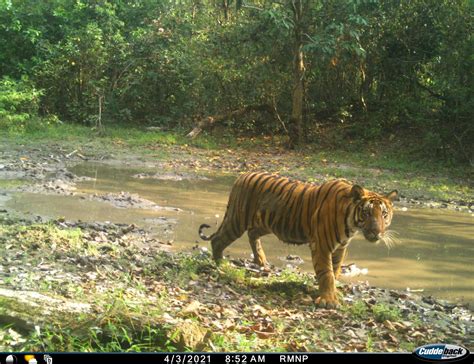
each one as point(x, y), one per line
point(325, 216)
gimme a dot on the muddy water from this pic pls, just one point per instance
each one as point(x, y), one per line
point(435, 256)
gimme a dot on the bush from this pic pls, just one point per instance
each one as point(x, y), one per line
point(19, 103)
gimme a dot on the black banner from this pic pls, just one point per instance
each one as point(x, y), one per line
point(214, 358)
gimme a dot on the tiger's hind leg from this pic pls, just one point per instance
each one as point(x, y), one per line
point(221, 240)
point(256, 245)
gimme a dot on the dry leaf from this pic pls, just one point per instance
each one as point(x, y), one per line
point(389, 325)
point(191, 309)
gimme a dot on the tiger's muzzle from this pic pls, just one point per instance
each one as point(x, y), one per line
point(374, 228)
point(373, 236)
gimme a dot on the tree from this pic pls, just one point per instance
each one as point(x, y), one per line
point(299, 8)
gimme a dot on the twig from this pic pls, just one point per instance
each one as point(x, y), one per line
point(278, 115)
point(194, 133)
point(72, 153)
point(252, 7)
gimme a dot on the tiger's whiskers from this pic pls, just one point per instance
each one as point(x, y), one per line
point(390, 239)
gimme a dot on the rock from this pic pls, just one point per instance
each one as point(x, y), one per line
point(130, 200)
point(351, 270)
point(294, 259)
point(191, 336)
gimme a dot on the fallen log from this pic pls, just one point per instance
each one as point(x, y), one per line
point(210, 121)
point(26, 309)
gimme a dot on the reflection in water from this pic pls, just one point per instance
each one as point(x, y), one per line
point(435, 254)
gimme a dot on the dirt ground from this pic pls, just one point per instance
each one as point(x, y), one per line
point(109, 284)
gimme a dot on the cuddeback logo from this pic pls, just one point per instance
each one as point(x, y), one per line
point(441, 352)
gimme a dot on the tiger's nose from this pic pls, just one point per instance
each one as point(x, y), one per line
point(374, 236)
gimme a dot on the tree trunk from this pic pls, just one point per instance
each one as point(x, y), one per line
point(225, 6)
point(296, 120)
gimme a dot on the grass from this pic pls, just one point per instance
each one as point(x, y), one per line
point(41, 237)
point(369, 345)
point(123, 323)
point(238, 342)
point(383, 312)
point(111, 336)
point(11, 183)
point(231, 274)
point(288, 284)
point(407, 347)
point(384, 173)
point(180, 269)
point(129, 136)
point(123, 316)
point(358, 310)
point(380, 312)
point(126, 315)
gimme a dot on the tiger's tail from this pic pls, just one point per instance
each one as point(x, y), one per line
point(201, 234)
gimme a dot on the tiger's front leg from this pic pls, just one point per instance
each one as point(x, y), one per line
point(322, 262)
point(337, 260)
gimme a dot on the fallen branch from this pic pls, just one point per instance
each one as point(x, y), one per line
point(26, 309)
point(210, 121)
point(72, 153)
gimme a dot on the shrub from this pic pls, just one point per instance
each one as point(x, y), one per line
point(19, 103)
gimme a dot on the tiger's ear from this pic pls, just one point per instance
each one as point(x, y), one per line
point(357, 192)
point(392, 196)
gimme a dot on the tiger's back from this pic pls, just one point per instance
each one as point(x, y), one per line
point(271, 204)
point(278, 205)
point(264, 203)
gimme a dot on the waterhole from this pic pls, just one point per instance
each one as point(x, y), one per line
point(435, 255)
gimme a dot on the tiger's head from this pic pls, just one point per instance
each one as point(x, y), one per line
point(373, 214)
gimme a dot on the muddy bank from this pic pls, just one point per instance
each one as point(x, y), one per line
point(49, 174)
point(58, 252)
point(177, 176)
point(176, 188)
point(132, 283)
point(47, 170)
point(125, 279)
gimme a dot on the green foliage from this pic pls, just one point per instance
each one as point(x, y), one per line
point(383, 312)
point(357, 310)
point(380, 311)
point(180, 269)
point(369, 345)
point(375, 68)
point(19, 103)
point(229, 273)
point(235, 342)
point(109, 337)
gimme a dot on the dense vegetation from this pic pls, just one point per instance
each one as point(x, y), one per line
point(337, 73)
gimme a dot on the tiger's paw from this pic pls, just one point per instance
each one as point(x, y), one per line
point(261, 262)
point(327, 301)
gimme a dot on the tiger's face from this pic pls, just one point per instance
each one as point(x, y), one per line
point(373, 214)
